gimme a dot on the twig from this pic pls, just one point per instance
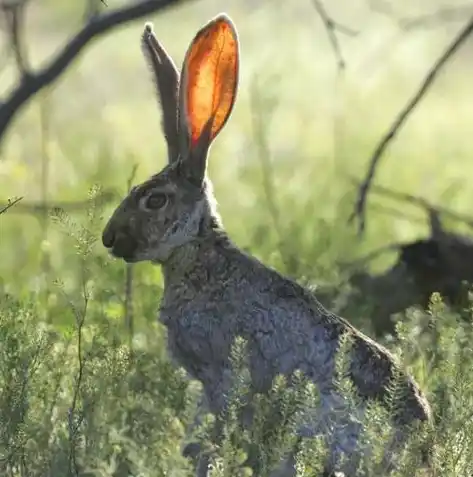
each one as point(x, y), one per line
point(45, 168)
point(357, 263)
point(425, 204)
point(10, 203)
point(80, 316)
point(264, 154)
point(394, 212)
point(14, 13)
point(382, 7)
point(92, 9)
point(360, 206)
point(128, 305)
point(440, 16)
point(73, 422)
point(41, 207)
point(432, 19)
point(331, 27)
point(97, 26)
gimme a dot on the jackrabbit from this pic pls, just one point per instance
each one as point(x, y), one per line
point(213, 292)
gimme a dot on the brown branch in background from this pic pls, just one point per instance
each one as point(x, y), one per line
point(439, 17)
point(360, 206)
point(34, 82)
point(5, 54)
point(432, 209)
point(40, 207)
point(331, 27)
point(128, 304)
point(9, 204)
point(362, 261)
point(382, 7)
point(14, 15)
point(395, 212)
point(260, 102)
point(76, 416)
point(92, 9)
point(129, 319)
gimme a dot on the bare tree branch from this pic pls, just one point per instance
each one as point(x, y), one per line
point(14, 14)
point(432, 19)
point(128, 302)
point(34, 82)
point(362, 261)
point(360, 206)
point(41, 207)
point(439, 17)
point(382, 7)
point(394, 212)
point(433, 210)
point(92, 9)
point(331, 26)
point(9, 204)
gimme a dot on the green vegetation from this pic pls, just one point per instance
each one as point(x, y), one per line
point(86, 386)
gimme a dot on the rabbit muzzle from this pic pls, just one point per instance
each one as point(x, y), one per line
point(120, 244)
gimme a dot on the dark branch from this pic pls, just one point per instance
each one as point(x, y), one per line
point(433, 210)
point(427, 20)
point(436, 229)
point(41, 207)
point(439, 17)
point(360, 206)
point(14, 14)
point(394, 212)
point(331, 27)
point(9, 204)
point(128, 302)
point(343, 29)
point(382, 7)
point(92, 9)
point(361, 262)
point(98, 25)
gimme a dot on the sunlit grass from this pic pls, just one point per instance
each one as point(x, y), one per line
point(321, 126)
point(301, 122)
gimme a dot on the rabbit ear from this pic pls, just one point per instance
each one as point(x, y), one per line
point(208, 89)
point(166, 77)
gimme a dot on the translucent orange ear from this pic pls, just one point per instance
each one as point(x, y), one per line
point(210, 77)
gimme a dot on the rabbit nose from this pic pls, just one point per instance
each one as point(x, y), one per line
point(108, 238)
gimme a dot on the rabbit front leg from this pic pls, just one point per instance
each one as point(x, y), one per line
point(193, 449)
point(203, 457)
point(216, 382)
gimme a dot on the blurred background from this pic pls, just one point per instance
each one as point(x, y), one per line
point(321, 84)
point(302, 129)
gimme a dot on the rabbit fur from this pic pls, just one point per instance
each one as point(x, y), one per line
point(213, 292)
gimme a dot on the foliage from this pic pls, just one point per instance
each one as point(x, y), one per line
point(89, 399)
point(86, 386)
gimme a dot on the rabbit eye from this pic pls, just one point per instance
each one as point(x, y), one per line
point(156, 201)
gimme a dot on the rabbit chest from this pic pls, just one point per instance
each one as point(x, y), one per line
point(201, 332)
point(199, 339)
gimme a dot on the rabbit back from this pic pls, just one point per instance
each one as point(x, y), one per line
point(226, 294)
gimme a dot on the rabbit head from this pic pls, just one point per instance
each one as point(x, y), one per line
point(176, 205)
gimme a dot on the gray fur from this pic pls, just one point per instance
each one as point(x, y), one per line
point(214, 292)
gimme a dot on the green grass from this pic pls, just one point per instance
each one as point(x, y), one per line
point(299, 125)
